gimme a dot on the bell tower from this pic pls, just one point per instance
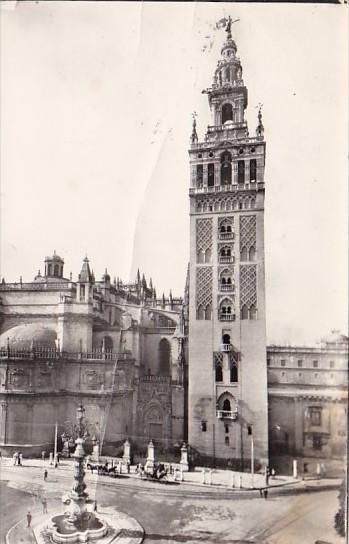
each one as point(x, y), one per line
point(228, 415)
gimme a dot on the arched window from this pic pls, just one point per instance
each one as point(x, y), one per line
point(210, 175)
point(243, 256)
point(253, 170)
point(200, 312)
point(208, 256)
point(226, 405)
point(219, 373)
point(208, 312)
point(200, 256)
point(226, 168)
point(56, 270)
point(49, 270)
point(222, 229)
point(241, 171)
point(244, 312)
point(233, 373)
point(228, 228)
point(164, 357)
point(227, 112)
point(226, 338)
point(253, 312)
point(251, 254)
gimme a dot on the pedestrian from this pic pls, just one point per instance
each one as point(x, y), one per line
point(265, 493)
point(20, 459)
point(95, 506)
point(261, 492)
point(45, 475)
point(44, 506)
point(29, 518)
point(56, 464)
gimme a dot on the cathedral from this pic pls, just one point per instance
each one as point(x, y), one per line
point(194, 369)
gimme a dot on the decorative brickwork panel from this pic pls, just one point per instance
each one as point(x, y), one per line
point(248, 285)
point(203, 287)
point(247, 231)
point(204, 234)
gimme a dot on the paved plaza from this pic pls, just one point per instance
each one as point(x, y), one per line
point(188, 512)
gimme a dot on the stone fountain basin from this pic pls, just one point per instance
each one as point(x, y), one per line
point(119, 529)
point(62, 532)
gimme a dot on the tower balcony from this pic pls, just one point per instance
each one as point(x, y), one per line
point(226, 235)
point(226, 317)
point(226, 348)
point(227, 414)
point(233, 188)
point(226, 287)
point(226, 259)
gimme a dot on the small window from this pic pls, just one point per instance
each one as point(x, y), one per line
point(82, 292)
point(315, 364)
point(283, 362)
point(210, 175)
point(268, 362)
point(210, 154)
point(315, 375)
point(199, 174)
point(219, 373)
point(317, 442)
point(331, 376)
point(233, 373)
point(199, 155)
point(315, 416)
point(299, 374)
point(253, 170)
point(204, 426)
point(226, 440)
point(300, 364)
point(241, 171)
point(226, 428)
point(226, 405)
point(331, 364)
point(282, 373)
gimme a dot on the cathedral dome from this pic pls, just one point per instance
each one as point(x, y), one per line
point(29, 335)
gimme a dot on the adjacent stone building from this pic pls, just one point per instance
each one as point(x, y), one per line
point(308, 401)
point(115, 347)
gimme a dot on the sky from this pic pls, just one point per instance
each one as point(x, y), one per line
point(96, 109)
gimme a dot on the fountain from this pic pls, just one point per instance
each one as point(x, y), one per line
point(79, 524)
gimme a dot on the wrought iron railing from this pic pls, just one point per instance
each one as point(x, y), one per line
point(227, 414)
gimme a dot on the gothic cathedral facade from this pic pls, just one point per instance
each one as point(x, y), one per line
point(228, 408)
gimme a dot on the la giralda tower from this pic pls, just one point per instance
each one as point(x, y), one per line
point(228, 403)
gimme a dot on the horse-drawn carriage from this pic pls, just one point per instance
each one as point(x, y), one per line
point(103, 469)
point(158, 473)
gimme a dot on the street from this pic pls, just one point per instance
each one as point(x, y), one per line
point(180, 513)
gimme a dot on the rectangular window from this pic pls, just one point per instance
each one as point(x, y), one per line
point(82, 292)
point(253, 170)
point(204, 426)
point(226, 428)
point(315, 364)
point(268, 362)
point(283, 362)
point(300, 364)
point(210, 175)
point(331, 364)
point(199, 174)
point(226, 440)
point(241, 171)
point(315, 416)
point(317, 442)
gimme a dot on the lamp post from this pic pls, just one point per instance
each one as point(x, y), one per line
point(250, 433)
